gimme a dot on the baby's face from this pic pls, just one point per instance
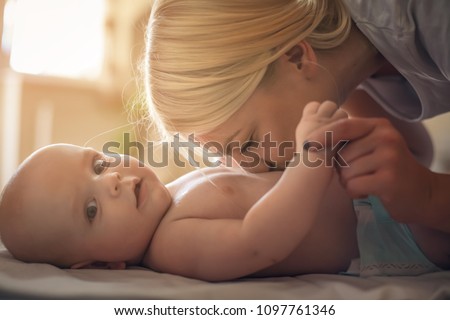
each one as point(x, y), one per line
point(107, 208)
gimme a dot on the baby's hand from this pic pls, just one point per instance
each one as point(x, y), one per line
point(315, 116)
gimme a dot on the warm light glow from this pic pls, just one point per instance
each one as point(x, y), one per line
point(8, 18)
point(58, 37)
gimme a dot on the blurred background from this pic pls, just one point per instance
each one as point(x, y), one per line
point(69, 73)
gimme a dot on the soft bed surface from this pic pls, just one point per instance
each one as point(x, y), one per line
point(20, 280)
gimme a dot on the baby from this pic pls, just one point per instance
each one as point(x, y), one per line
point(77, 208)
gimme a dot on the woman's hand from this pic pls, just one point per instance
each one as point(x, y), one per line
point(380, 163)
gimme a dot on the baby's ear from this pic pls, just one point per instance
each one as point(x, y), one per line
point(99, 265)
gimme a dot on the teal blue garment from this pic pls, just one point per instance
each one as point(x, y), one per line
point(386, 247)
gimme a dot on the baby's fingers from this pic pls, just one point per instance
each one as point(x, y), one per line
point(311, 108)
point(327, 109)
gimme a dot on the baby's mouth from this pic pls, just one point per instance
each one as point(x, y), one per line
point(137, 190)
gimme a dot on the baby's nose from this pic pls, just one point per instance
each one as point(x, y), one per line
point(114, 181)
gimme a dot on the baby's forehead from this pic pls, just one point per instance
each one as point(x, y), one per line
point(57, 151)
point(52, 159)
point(54, 177)
point(48, 168)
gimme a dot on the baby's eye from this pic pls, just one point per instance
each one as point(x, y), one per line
point(91, 210)
point(100, 165)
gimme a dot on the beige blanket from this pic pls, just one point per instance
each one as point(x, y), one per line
point(20, 280)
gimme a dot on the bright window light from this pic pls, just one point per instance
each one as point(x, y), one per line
point(8, 18)
point(57, 37)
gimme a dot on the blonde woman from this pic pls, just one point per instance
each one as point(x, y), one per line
point(239, 73)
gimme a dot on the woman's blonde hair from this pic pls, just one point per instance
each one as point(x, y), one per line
point(204, 58)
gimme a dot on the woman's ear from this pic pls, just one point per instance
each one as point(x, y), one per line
point(99, 265)
point(302, 55)
point(295, 55)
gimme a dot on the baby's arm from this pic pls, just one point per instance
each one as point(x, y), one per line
point(228, 248)
point(281, 219)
